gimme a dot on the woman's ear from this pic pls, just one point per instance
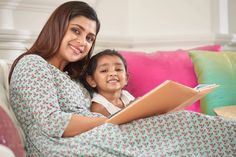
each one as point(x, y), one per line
point(91, 81)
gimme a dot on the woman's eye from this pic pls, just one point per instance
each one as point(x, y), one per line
point(90, 39)
point(75, 30)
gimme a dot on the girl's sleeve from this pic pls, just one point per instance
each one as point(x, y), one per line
point(37, 91)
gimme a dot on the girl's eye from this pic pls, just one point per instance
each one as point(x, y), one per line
point(104, 71)
point(119, 69)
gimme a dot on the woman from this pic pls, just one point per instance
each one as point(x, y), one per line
point(40, 85)
point(53, 109)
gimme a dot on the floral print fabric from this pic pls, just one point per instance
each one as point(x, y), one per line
point(44, 98)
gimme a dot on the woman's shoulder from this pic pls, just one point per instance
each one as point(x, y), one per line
point(30, 63)
point(32, 58)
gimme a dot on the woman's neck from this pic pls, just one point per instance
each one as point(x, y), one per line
point(57, 62)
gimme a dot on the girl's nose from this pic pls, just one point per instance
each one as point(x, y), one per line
point(113, 73)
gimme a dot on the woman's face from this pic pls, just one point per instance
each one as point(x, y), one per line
point(78, 40)
point(110, 75)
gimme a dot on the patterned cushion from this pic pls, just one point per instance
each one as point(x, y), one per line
point(217, 68)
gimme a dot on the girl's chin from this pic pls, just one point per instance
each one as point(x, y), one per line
point(114, 89)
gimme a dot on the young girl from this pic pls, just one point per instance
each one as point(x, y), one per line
point(106, 76)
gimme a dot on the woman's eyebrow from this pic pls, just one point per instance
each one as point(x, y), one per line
point(82, 28)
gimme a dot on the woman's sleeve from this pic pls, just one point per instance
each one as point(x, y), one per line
point(38, 92)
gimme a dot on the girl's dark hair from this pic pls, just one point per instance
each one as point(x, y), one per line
point(48, 42)
point(92, 65)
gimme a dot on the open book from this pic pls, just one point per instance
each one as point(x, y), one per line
point(169, 96)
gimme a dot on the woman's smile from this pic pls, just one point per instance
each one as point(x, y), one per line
point(77, 50)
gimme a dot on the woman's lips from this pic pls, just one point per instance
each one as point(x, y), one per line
point(76, 50)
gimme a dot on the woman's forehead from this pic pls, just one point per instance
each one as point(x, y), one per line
point(84, 23)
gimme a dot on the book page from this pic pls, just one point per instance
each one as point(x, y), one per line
point(205, 86)
point(202, 90)
point(160, 100)
point(167, 97)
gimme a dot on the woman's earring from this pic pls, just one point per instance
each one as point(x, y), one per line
point(93, 85)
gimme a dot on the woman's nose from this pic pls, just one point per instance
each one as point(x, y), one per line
point(82, 40)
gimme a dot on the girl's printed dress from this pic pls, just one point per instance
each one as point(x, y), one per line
point(44, 98)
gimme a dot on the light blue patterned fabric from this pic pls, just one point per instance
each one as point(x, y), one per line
point(43, 99)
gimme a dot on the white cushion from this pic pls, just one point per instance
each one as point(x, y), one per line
point(5, 151)
point(5, 66)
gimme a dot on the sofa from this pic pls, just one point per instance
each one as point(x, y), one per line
point(201, 65)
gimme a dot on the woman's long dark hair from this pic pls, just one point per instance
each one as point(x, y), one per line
point(50, 37)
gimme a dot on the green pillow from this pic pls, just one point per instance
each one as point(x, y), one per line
point(219, 68)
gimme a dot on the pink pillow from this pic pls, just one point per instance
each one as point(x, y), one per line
point(146, 71)
point(216, 48)
point(9, 135)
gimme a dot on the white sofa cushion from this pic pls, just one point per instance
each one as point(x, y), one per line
point(5, 151)
point(4, 94)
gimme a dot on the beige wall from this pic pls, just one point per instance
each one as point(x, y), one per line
point(147, 25)
point(232, 17)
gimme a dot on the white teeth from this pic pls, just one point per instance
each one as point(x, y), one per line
point(112, 81)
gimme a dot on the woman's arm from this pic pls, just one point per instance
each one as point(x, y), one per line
point(98, 108)
point(79, 124)
point(41, 100)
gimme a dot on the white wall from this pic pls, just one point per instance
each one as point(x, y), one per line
point(153, 24)
point(145, 25)
point(232, 17)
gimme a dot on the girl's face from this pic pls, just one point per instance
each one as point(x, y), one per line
point(78, 40)
point(110, 75)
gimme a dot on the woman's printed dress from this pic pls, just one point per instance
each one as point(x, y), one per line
point(44, 98)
